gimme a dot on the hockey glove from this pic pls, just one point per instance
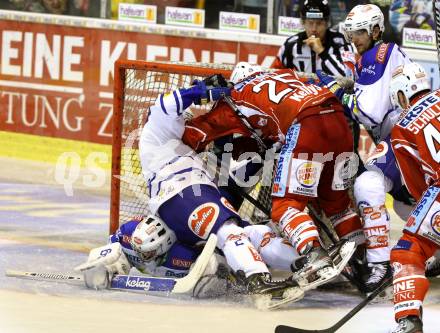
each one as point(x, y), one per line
point(330, 82)
point(217, 81)
point(203, 94)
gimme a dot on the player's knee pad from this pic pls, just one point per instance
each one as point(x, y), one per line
point(228, 231)
point(259, 235)
point(347, 225)
point(239, 251)
point(276, 252)
point(370, 188)
point(299, 228)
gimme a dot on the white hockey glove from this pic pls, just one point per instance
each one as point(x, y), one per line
point(102, 264)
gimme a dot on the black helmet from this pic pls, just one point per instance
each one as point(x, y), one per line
point(315, 9)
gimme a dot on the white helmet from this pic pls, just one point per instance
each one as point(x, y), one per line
point(363, 17)
point(242, 70)
point(410, 79)
point(152, 238)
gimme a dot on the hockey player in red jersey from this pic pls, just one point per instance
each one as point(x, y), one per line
point(314, 161)
point(415, 141)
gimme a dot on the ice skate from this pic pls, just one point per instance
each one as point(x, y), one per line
point(268, 294)
point(378, 273)
point(432, 267)
point(410, 324)
point(320, 267)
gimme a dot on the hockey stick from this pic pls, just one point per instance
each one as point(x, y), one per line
point(343, 320)
point(132, 283)
point(245, 122)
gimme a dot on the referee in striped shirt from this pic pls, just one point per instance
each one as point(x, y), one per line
point(317, 47)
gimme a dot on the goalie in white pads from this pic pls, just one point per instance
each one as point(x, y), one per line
point(147, 244)
point(183, 194)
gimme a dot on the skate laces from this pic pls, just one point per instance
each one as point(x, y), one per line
point(378, 273)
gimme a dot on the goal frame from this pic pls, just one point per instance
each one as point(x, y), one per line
point(120, 67)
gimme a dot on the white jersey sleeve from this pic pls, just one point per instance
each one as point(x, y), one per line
point(168, 165)
point(371, 104)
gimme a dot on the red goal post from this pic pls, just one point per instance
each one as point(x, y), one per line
point(136, 86)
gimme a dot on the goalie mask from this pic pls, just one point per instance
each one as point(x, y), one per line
point(242, 70)
point(152, 238)
point(363, 17)
point(409, 80)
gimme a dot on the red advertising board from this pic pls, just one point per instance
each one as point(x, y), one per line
point(57, 80)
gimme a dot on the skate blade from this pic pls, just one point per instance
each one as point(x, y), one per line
point(266, 302)
point(345, 253)
point(328, 274)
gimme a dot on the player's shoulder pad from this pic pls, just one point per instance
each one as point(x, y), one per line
point(373, 63)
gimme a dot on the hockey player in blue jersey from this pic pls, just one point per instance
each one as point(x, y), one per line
point(371, 106)
point(149, 245)
point(183, 194)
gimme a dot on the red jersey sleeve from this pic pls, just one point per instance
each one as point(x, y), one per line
point(221, 121)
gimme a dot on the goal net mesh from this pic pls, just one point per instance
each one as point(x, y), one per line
point(137, 85)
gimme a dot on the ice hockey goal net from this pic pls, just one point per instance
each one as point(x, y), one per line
point(137, 85)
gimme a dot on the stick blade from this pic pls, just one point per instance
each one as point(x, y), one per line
point(187, 283)
point(290, 329)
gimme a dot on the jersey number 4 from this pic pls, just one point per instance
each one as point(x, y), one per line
point(432, 139)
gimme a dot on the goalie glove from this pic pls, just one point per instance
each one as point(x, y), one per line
point(102, 264)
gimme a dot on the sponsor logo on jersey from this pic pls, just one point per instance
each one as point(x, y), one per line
point(174, 274)
point(228, 205)
point(420, 114)
point(435, 222)
point(181, 262)
point(202, 219)
point(370, 69)
point(307, 174)
point(382, 53)
point(282, 169)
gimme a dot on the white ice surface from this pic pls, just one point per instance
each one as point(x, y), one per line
point(41, 229)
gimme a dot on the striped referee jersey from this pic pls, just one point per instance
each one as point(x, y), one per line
point(337, 59)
